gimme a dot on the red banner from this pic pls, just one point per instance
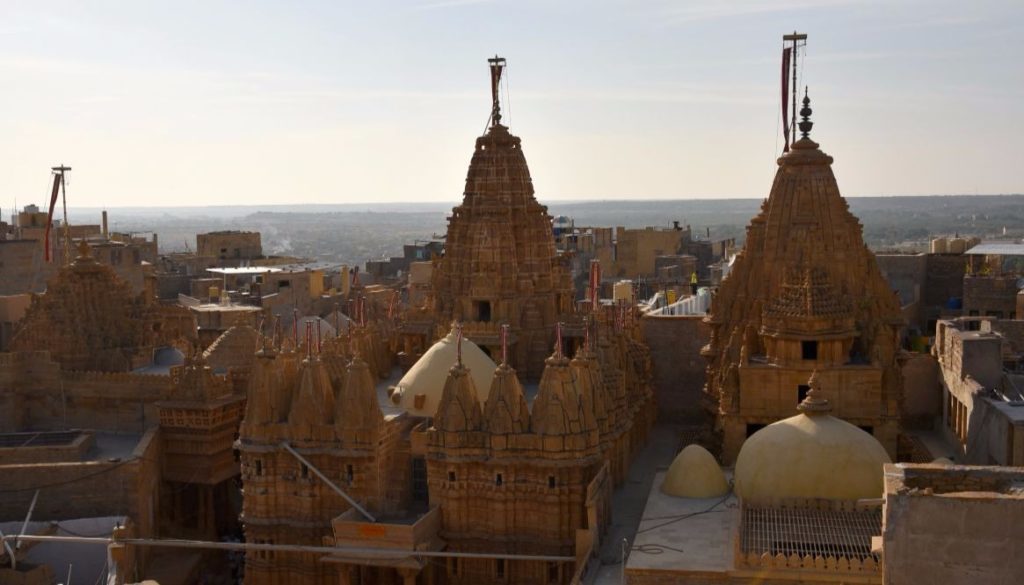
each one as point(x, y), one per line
point(49, 216)
point(786, 53)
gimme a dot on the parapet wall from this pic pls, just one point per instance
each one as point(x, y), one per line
point(37, 395)
point(954, 525)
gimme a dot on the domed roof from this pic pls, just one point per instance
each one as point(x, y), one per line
point(426, 378)
point(810, 455)
point(694, 473)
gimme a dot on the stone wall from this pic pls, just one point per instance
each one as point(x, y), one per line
point(85, 489)
point(229, 245)
point(990, 295)
point(922, 391)
point(678, 368)
point(45, 398)
point(973, 533)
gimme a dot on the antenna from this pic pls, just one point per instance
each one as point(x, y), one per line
point(789, 62)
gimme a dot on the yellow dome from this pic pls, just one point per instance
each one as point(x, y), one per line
point(810, 455)
point(943, 461)
point(695, 474)
point(419, 390)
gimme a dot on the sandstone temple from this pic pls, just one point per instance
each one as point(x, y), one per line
point(805, 294)
point(502, 413)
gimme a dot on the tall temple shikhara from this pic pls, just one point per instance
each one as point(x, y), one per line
point(500, 263)
point(805, 294)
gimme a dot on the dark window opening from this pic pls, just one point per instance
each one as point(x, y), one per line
point(551, 481)
point(809, 350)
point(499, 568)
point(451, 476)
point(420, 494)
point(350, 473)
point(303, 470)
point(498, 479)
point(553, 573)
point(801, 392)
point(483, 311)
point(753, 428)
point(259, 467)
point(284, 284)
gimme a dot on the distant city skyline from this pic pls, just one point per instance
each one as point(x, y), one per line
point(358, 102)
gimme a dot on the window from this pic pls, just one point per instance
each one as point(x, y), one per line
point(801, 392)
point(551, 482)
point(483, 311)
point(809, 350)
point(451, 476)
point(284, 284)
point(303, 471)
point(420, 494)
point(350, 473)
point(553, 572)
point(259, 467)
point(498, 479)
point(499, 568)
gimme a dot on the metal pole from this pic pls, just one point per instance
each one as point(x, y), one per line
point(331, 484)
point(378, 553)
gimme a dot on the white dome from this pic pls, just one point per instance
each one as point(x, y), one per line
point(694, 473)
point(426, 378)
point(810, 455)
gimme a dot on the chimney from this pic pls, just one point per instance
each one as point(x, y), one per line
point(106, 234)
point(675, 225)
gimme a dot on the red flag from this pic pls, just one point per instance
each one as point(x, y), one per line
point(49, 216)
point(786, 53)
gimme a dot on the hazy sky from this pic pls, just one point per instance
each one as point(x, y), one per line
point(164, 103)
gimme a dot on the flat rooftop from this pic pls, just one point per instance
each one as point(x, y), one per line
point(684, 534)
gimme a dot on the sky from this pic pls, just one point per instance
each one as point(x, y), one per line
point(221, 103)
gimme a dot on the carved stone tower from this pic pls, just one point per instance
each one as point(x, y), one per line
point(805, 294)
point(500, 263)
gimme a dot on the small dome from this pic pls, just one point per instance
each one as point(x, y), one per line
point(695, 474)
point(810, 455)
point(943, 461)
point(419, 390)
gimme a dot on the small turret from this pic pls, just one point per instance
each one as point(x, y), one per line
point(357, 413)
point(505, 411)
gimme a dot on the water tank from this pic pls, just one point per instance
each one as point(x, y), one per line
point(957, 246)
point(939, 246)
point(623, 290)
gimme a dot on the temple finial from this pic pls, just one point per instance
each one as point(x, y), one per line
point(497, 65)
point(814, 403)
point(805, 114)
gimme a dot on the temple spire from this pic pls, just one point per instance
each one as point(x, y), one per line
point(497, 65)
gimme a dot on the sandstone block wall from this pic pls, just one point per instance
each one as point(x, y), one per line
point(963, 537)
point(678, 368)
